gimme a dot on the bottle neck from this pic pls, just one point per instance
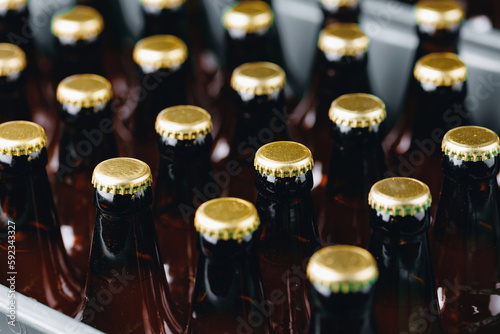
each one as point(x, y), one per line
point(244, 48)
point(185, 176)
point(339, 14)
point(165, 21)
point(80, 57)
point(12, 23)
point(13, 99)
point(338, 313)
point(436, 40)
point(87, 138)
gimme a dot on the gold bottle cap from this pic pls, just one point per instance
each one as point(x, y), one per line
point(400, 196)
point(80, 22)
point(84, 90)
point(440, 14)
point(440, 69)
point(160, 51)
point(12, 59)
point(357, 110)
point(249, 16)
point(226, 218)
point(261, 78)
point(283, 159)
point(471, 143)
point(342, 269)
point(19, 138)
point(183, 122)
point(13, 4)
point(162, 4)
point(339, 3)
point(122, 176)
point(345, 39)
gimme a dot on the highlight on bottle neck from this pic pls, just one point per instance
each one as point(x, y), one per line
point(157, 5)
point(259, 78)
point(342, 269)
point(248, 17)
point(183, 123)
point(339, 40)
point(17, 5)
point(160, 52)
point(21, 138)
point(357, 110)
point(89, 91)
point(433, 15)
point(80, 23)
point(12, 61)
point(226, 218)
point(440, 69)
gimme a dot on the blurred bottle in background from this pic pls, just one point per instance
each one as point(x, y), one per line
point(341, 11)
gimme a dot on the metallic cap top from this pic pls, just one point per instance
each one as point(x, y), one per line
point(249, 16)
point(345, 39)
point(261, 78)
point(84, 90)
point(471, 143)
point(13, 4)
point(400, 196)
point(441, 14)
point(12, 59)
point(226, 218)
point(440, 69)
point(80, 22)
point(183, 122)
point(162, 4)
point(122, 176)
point(357, 110)
point(342, 269)
point(160, 51)
point(339, 3)
point(19, 138)
point(283, 159)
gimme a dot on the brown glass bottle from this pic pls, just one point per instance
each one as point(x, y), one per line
point(261, 118)
point(185, 180)
point(228, 296)
point(86, 138)
point(164, 17)
point(12, 84)
point(357, 162)
point(341, 68)
point(440, 90)
point(126, 290)
point(342, 290)
point(29, 227)
point(78, 42)
point(289, 234)
point(162, 73)
point(406, 300)
point(466, 233)
point(339, 11)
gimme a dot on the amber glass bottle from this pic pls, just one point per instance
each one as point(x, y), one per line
point(228, 296)
point(440, 90)
point(164, 17)
point(78, 42)
point(339, 11)
point(126, 290)
point(341, 68)
point(162, 71)
point(86, 139)
point(29, 227)
point(185, 180)
point(12, 80)
point(342, 290)
point(260, 119)
point(289, 234)
point(466, 234)
point(357, 162)
point(406, 300)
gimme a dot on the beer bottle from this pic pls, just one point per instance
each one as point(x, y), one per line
point(357, 162)
point(86, 139)
point(439, 93)
point(260, 119)
point(126, 289)
point(164, 17)
point(466, 233)
point(406, 300)
point(342, 11)
point(341, 68)
point(12, 80)
point(342, 290)
point(289, 233)
point(161, 61)
point(29, 229)
point(228, 296)
point(78, 41)
point(185, 180)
